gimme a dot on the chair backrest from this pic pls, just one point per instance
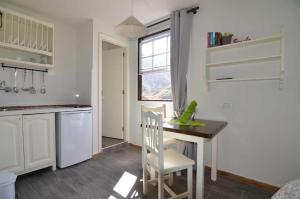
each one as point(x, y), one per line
point(153, 138)
point(158, 109)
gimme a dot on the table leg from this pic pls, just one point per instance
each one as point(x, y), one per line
point(200, 170)
point(214, 158)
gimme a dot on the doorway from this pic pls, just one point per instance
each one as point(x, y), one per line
point(113, 62)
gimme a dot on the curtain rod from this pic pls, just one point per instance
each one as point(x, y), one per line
point(192, 10)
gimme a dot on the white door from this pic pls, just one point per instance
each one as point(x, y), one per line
point(39, 135)
point(11, 144)
point(112, 93)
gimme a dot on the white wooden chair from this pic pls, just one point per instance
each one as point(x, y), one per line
point(164, 161)
point(169, 143)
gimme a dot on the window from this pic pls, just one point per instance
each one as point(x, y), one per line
point(154, 78)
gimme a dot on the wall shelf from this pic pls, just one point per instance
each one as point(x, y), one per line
point(26, 41)
point(278, 57)
point(245, 61)
point(245, 79)
point(22, 48)
point(247, 43)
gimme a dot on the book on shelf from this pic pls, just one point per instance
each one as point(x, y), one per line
point(218, 39)
point(208, 39)
point(214, 39)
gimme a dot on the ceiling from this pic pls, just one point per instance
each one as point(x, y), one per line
point(75, 12)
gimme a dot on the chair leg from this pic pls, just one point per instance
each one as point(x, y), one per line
point(145, 180)
point(160, 186)
point(171, 179)
point(190, 182)
point(152, 175)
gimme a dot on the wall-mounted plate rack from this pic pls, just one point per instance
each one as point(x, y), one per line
point(279, 57)
point(25, 41)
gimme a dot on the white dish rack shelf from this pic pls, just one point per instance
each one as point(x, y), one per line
point(25, 41)
point(276, 57)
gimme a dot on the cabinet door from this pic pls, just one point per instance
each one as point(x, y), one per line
point(39, 135)
point(11, 144)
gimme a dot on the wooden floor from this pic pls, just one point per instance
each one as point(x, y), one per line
point(107, 142)
point(96, 179)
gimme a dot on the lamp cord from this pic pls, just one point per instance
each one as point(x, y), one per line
point(131, 8)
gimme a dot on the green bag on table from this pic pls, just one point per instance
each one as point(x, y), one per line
point(187, 114)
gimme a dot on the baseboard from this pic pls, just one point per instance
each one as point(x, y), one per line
point(136, 146)
point(114, 145)
point(97, 154)
point(245, 180)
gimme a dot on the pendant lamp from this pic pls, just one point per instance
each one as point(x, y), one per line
point(131, 27)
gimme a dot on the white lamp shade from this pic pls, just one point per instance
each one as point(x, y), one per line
point(131, 28)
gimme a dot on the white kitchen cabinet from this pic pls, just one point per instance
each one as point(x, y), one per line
point(11, 144)
point(39, 140)
point(27, 142)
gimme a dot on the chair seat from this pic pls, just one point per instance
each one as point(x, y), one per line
point(173, 161)
point(169, 142)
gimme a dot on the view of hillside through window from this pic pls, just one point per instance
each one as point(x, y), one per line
point(154, 67)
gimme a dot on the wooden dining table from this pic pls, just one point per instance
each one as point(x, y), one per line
point(199, 135)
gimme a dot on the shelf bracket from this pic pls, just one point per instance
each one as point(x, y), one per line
point(280, 85)
point(282, 61)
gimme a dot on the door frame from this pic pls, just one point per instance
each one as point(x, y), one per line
point(109, 39)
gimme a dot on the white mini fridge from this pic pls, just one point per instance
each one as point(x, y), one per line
point(73, 137)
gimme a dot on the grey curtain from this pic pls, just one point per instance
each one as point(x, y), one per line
point(181, 25)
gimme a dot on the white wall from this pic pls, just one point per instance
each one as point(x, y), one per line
point(84, 58)
point(60, 84)
point(262, 139)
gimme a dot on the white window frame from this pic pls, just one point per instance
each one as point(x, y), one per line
point(152, 39)
point(167, 67)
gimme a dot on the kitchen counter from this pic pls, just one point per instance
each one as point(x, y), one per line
point(28, 110)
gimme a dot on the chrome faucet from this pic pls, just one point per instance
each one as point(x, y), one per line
point(2, 84)
point(4, 88)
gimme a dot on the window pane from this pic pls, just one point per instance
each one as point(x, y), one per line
point(159, 61)
point(146, 64)
point(154, 77)
point(147, 49)
point(156, 86)
point(160, 46)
